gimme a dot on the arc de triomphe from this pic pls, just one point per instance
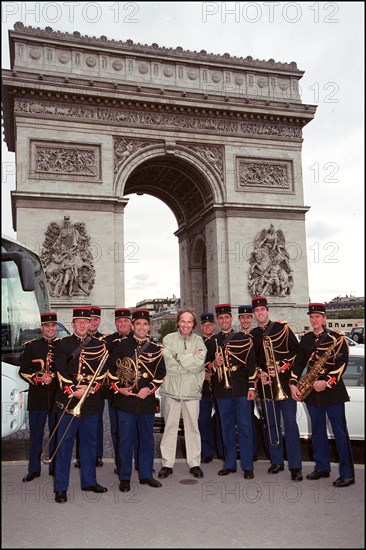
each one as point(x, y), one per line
point(216, 138)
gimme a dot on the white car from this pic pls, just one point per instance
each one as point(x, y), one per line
point(353, 344)
point(355, 384)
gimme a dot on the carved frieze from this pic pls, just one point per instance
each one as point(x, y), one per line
point(67, 258)
point(264, 175)
point(151, 119)
point(61, 160)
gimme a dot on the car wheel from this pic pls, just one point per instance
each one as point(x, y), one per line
point(356, 337)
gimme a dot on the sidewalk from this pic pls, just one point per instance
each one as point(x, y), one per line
point(269, 511)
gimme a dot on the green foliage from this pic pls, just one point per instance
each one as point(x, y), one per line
point(166, 328)
point(354, 313)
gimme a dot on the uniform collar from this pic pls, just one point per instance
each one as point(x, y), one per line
point(82, 338)
point(140, 342)
point(265, 326)
point(227, 333)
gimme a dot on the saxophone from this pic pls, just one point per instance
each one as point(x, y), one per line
point(305, 386)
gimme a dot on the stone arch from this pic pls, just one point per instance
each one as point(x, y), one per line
point(198, 171)
point(188, 186)
point(189, 128)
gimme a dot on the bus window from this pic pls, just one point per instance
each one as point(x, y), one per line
point(24, 298)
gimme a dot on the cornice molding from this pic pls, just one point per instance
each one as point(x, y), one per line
point(103, 42)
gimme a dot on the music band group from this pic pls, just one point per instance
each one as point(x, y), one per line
point(227, 372)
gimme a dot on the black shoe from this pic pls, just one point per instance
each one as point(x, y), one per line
point(61, 496)
point(206, 459)
point(196, 471)
point(116, 471)
point(296, 474)
point(96, 488)
point(77, 464)
point(226, 471)
point(150, 481)
point(99, 462)
point(344, 481)
point(31, 475)
point(275, 468)
point(317, 475)
point(165, 472)
point(124, 485)
point(255, 458)
point(248, 474)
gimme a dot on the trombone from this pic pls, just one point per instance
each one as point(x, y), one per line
point(75, 412)
point(277, 395)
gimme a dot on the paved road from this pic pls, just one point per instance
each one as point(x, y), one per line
point(266, 512)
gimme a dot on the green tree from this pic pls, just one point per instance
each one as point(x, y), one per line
point(166, 328)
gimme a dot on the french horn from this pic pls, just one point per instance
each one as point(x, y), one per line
point(127, 372)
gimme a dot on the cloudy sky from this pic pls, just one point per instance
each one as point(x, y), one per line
point(326, 41)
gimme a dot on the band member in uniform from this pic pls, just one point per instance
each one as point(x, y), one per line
point(95, 320)
point(245, 316)
point(37, 368)
point(123, 324)
point(275, 342)
point(77, 358)
point(137, 369)
point(325, 353)
point(207, 402)
point(233, 360)
point(185, 354)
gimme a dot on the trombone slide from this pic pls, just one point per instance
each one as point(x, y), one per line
point(75, 412)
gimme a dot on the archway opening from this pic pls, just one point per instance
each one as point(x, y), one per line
point(187, 193)
point(151, 253)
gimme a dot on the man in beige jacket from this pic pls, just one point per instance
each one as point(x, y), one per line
point(184, 354)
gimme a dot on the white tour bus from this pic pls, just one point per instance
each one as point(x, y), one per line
point(24, 296)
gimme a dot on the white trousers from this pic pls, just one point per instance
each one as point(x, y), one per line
point(173, 409)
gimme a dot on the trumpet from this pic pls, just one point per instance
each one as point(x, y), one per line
point(275, 395)
point(222, 371)
point(75, 412)
point(49, 360)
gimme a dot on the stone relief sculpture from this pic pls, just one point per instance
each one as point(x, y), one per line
point(124, 148)
point(214, 156)
point(270, 272)
point(66, 160)
point(134, 117)
point(67, 259)
point(264, 174)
